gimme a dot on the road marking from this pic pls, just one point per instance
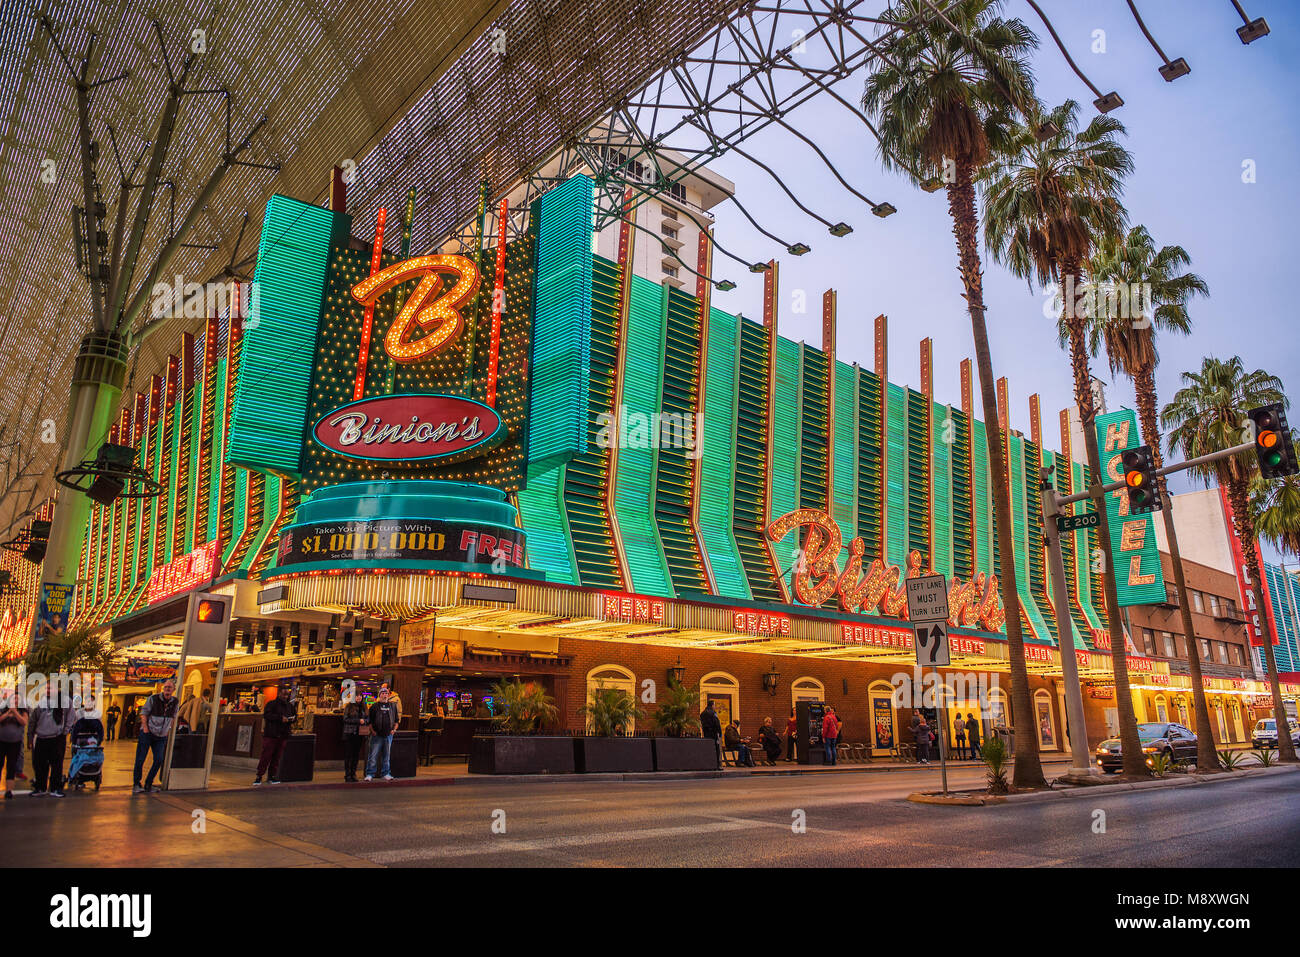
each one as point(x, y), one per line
point(549, 843)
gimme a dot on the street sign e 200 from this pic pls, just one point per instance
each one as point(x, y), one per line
point(1069, 523)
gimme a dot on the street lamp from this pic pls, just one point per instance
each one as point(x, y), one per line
point(677, 672)
point(770, 680)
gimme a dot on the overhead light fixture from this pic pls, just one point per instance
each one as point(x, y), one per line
point(758, 267)
point(932, 185)
point(1253, 30)
point(1174, 69)
point(1046, 130)
point(798, 249)
point(725, 285)
point(884, 209)
point(1111, 101)
point(840, 229)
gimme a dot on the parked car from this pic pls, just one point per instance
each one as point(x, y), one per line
point(1265, 733)
point(1171, 739)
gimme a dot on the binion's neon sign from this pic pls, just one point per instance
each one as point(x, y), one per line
point(817, 577)
point(438, 318)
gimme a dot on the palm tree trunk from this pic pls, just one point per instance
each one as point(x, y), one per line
point(1134, 764)
point(1207, 759)
point(1028, 771)
point(1237, 494)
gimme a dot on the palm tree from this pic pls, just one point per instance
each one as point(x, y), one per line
point(942, 102)
point(1275, 511)
point(1136, 290)
point(1208, 414)
point(1050, 204)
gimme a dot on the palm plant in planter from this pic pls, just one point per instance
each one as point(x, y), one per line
point(520, 748)
point(678, 719)
point(611, 715)
point(679, 712)
point(525, 708)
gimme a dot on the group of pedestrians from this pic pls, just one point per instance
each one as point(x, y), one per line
point(769, 738)
point(46, 728)
point(965, 734)
point(378, 723)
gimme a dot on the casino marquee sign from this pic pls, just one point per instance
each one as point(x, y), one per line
point(415, 540)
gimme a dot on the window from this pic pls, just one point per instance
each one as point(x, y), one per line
point(1214, 605)
point(1149, 641)
point(668, 231)
point(1221, 651)
point(612, 676)
point(724, 691)
point(670, 271)
point(1181, 644)
point(1167, 640)
point(1235, 652)
point(806, 689)
point(1204, 646)
point(1196, 602)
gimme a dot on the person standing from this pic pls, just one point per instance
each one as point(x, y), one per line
point(156, 720)
point(12, 721)
point(112, 716)
point(277, 726)
point(830, 734)
point(791, 734)
point(973, 732)
point(959, 735)
point(47, 736)
point(921, 733)
point(383, 722)
point(710, 726)
point(354, 722)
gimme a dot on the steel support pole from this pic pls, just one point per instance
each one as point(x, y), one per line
point(1081, 767)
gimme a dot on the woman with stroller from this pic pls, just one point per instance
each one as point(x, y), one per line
point(87, 748)
point(13, 720)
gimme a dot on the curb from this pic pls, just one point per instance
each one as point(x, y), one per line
point(1187, 780)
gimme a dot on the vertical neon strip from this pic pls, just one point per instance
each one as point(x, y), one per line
point(625, 246)
point(226, 473)
point(882, 375)
point(704, 299)
point(927, 390)
point(770, 284)
point(390, 379)
point(367, 325)
point(968, 409)
point(498, 304)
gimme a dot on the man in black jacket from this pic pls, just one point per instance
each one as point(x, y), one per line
point(383, 719)
point(710, 726)
point(278, 716)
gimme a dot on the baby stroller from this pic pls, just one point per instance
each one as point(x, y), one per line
point(87, 762)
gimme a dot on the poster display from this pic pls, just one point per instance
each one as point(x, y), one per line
point(53, 610)
point(882, 721)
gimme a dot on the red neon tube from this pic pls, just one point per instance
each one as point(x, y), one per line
point(363, 354)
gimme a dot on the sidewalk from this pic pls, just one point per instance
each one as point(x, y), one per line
point(119, 762)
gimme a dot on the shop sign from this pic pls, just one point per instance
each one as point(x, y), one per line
point(409, 428)
point(1101, 639)
point(144, 671)
point(405, 539)
point(1156, 679)
point(638, 609)
point(1141, 664)
point(448, 652)
point(415, 638)
point(182, 574)
point(1103, 692)
point(882, 588)
point(760, 623)
point(876, 635)
point(1038, 653)
point(1139, 579)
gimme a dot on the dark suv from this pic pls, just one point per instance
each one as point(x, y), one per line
point(1171, 739)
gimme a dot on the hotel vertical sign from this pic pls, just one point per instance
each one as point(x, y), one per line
point(1139, 579)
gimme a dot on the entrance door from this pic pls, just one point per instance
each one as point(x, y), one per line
point(1236, 721)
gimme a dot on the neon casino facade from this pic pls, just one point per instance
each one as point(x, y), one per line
point(579, 474)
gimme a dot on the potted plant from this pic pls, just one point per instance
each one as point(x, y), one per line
point(610, 714)
point(994, 754)
point(679, 748)
point(520, 747)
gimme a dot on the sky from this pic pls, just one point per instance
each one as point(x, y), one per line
point(1190, 140)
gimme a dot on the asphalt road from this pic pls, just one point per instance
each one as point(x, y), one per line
point(845, 820)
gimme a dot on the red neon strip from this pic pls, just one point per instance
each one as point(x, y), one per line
point(498, 301)
point(363, 354)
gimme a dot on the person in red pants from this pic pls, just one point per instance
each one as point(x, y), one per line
point(278, 716)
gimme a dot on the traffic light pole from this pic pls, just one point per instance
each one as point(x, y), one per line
point(1081, 768)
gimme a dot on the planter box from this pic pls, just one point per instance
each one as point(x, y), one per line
point(685, 754)
point(612, 755)
point(520, 754)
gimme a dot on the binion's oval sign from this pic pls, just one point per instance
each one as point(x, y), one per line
point(409, 428)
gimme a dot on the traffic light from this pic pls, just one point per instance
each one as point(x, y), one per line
point(209, 611)
point(1140, 479)
point(1273, 445)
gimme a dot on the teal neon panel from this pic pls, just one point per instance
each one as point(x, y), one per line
point(941, 491)
point(1020, 537)
point(844, 492)
point(561, 369)
point(634, 485)
point(895, 476)
point(542, 514)
point(718, 464)
point(785, 447)
point(1139, 579)
point(269, 412)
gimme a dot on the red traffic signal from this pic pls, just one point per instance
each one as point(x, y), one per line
point(1140, 480)
point(210, 612)
point(1273, 446)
